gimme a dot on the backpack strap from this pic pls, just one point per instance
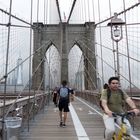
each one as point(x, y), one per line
point(122, 93)
point(109, 94)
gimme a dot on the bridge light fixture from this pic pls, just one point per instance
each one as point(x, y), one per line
point(116, 35)
point(116, 28)
point(116, 32)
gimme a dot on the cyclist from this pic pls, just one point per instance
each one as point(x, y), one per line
point(115, 104)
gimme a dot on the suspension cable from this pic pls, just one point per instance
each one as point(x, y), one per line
point(37, 14)
point(114, 55)
point(85, 11)
point(88, 11)
point(102, 66)
point(137, 4)
point(14, 16)
point(25, 86)
point(6, 70)
point(126, 32)
point(35, 51)
point(107, 63)
point(58, 8)
point(30, 62)
point(93, 10)
point(44, 11)
point(71, 10)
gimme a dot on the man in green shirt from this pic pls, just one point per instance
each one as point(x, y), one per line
point(115, 104)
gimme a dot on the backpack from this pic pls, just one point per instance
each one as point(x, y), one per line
point(64, 92)
point(108, 97)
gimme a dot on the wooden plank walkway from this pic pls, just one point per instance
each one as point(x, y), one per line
point(45, 126)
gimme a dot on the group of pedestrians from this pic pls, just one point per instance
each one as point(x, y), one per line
point(61, 98)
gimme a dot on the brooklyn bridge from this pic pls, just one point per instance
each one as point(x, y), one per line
point(85, 42)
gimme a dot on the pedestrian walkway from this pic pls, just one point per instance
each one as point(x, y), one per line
point(88, 125)
point(84, 123)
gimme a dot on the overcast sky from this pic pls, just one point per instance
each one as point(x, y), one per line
point(22, 8)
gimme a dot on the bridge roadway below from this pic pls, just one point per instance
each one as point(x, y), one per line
point(84, 122)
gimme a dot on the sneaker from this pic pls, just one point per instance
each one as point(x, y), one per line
point(61, 124)
point(64, 125)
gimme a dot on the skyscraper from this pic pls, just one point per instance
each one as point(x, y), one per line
point(19, 74)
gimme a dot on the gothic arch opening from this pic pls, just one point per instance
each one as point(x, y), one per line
point(52, 67)
point(76, 68)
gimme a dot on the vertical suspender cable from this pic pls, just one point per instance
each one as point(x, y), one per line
point(44, 11)
point(37, 10)
point(6, 70)
point(95, 44)
point(85, 11)
point(129, 71)
point(81, 11)
point(112, 40)
point(88, 12)
point(93, 10)
point(45, 20)
point(49, 73)
point(2, 72)
point(102, 66)
point(50, 7)
point(30, 61)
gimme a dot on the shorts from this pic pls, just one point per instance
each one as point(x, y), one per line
point(63, 106)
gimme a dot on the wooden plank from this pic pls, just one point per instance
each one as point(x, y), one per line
point(46, 125)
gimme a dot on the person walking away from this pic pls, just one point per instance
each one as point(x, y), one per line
point(72, 93)
point(54, 95)
point(64, 100)
point(114, 103)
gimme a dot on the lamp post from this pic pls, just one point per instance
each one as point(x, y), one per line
point(116, 35)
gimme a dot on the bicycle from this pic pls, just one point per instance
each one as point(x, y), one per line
point(122, 134)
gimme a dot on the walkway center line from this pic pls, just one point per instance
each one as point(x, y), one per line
point(80, 131)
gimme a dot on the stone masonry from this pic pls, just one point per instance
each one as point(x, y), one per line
point(64, 36)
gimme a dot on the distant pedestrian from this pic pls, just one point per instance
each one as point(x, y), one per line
point(106, 86)
point(55, 96)
point(72, 93)
point(64, 100)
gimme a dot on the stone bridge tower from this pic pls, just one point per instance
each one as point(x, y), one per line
point(64, 36)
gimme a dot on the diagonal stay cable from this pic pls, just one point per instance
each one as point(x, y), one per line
point(71, 10)
point(25, 86)
point(4, 11)
point(106, 63)
point(25, 59)
point(122, 12)
point(58, 8)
